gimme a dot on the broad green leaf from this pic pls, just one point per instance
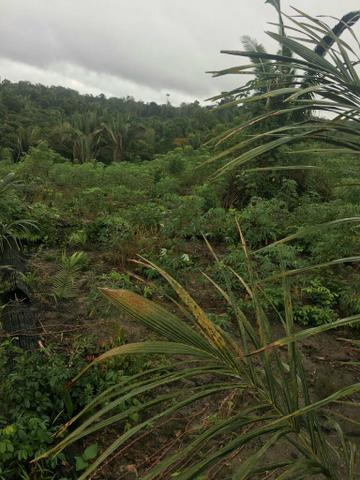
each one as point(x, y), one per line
point(80, 464)
point(90, 452)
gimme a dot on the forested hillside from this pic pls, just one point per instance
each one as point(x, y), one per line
point(166, 273)
point(82, 128)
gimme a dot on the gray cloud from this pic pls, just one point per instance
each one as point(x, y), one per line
point(134, 47)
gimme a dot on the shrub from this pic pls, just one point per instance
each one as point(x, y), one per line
point(123, 197)
point(340, 241)
point(314, 315)
point(49, 223)
point(319, 305)
point(108, 231)
point(165, 185)
point(37, 163)
point(91, 202)
point(34, 402)
point(264, 221)
point(147, 216)
point(184, 217)
point(219, 225)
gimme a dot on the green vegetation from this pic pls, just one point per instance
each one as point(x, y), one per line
point(230, 234)
point(35, 401)
point(84, 128)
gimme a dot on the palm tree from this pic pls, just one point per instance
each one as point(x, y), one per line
point(117, 131)
point(263, 69)
point(122, 132)
point(322, 78)
point(85, 132)
point(26, 137)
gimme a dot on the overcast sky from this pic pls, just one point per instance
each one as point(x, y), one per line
point(143, 48)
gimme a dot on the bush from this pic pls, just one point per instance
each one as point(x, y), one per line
point(49, 222)
point(38, 162)
point(184, 217)
point(91, 201)
point(108, 231)
point(148, 216)
point(122, 196)
point(264, 221)
point(314, 315)
point(339, 241)
point(319, 305)
point(219, 225)
point(34, 402)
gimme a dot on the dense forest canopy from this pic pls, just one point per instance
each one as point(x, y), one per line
point(85, 127)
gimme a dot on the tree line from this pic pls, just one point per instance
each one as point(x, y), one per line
point(85, 128)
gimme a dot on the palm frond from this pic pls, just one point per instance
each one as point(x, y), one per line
point(65, 281)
